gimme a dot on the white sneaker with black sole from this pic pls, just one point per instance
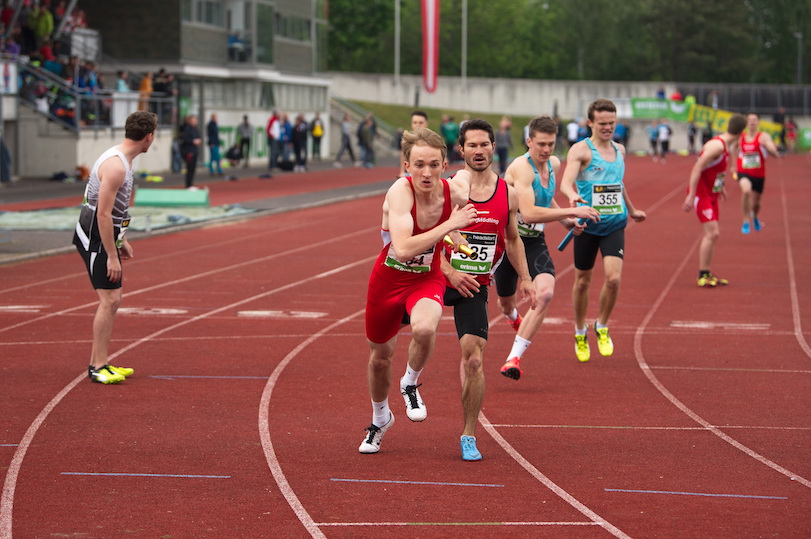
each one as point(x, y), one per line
point(374, 435)
point(415, 408)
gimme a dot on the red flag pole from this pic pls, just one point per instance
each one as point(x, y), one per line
point(430, 44)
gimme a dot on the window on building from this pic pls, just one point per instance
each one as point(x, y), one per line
point(203, 11)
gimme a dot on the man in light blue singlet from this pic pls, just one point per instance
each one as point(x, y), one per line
point(533, 176)
point(594, 175)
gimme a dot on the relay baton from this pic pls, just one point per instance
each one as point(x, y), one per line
point(569, 236)
point(464, 249)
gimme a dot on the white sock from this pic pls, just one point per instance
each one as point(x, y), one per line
point(380, 412)
point(520, 346)
point(580, 331)
point(598, 325)
point(513, 316)
point(410, 377)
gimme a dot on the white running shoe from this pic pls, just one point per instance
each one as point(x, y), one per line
point(374, 435)
point(415, 408)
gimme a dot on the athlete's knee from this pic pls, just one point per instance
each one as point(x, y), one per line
point(473, 364)
point(110, 300)
point(612, 280)
point(582, 283)
point(422, 331)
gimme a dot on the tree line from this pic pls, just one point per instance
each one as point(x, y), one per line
point(657, 40)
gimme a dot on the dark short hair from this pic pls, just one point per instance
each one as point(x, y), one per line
point(420, 113)
point(601, 105)
point(476, 124)
point(140, 124)
point(543, 124)
point(736, 125)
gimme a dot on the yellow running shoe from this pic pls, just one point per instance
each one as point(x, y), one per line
point(604, 343)
point(706, 281)
point(104, 375)
point(581, 348)
point(718, 280)
point(123, 371)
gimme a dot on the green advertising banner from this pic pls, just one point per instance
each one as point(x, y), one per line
point(805, 138)
point(652, 108)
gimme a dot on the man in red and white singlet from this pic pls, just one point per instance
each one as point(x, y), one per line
point(418, 212)
point(705, 186)
point(494, 232)
point(755, 145)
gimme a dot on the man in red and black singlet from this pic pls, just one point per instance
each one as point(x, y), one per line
point(705, 186)
point(493, 233)
point(418, 212)
point(751, 170)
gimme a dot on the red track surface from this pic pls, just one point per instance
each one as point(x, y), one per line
point(248, 426)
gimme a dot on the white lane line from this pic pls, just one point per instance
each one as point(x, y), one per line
point(646, 369)
point(186, 279)
point(792, 276)
point(264, 428)
point(10, 484)
point(548, 483)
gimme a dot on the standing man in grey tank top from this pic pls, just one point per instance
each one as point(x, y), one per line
point(100, 235)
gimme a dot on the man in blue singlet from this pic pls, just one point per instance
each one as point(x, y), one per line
point(594, 175)
point(533, 177)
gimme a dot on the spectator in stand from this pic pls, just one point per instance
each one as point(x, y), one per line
point(7, 13)
point(299, 140)
point(346, 142)
point(77, 20)
point(41, 21)
point(664, 140)
point(779, 117)
point(10, 47)
point(317, 132)
point(286, 137)
point(146, 89)
point(274, 133)
point(676, 96)
point(28, 40)
point(571, 132)
point(504, 143)
point(59, 12)
point(653, 137)
point(367, 136)
point(660, 93)
point(121, 82)
point(245, 131)
point(791, 134)
point(692, 131)
point(189, 148)
point(213, 138)
point(164, 83)
point(46, 52)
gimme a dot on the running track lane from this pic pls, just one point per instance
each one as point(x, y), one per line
point(603, 423)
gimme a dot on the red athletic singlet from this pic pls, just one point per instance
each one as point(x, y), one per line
point(752, 157)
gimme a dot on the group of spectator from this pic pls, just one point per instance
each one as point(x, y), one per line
point(289, 140)
point(365, 133)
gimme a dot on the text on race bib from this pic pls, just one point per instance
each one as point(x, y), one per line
point(607, 198)
point(480, 262)
point(419, 264)
point(750, 160)
point(718, 185)
point(528, 230)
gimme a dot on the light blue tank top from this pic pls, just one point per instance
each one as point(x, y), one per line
point(543, 198)
point(600, 184)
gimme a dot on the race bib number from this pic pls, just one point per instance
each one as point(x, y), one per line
point(750, 160)
point(122, 231)
point(718, 185)
point(480, 262)
point(607, 198)
point(419, 264)
point(528, 230)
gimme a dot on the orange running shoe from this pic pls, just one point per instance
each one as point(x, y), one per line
point(517, 322)
point(512, 368)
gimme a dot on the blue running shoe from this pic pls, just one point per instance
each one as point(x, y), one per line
point(745, 228)
point(469, 451)
point(757, 224)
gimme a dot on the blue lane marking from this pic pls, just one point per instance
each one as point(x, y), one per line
point(149, 475)
point(698, 494)
point(416, 482)
point(9, 445)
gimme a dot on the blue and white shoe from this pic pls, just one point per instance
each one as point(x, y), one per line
point(745, 228)
point(757, 224)
point(469, 450)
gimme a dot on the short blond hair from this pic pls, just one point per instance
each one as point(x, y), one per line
point(423, 137)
